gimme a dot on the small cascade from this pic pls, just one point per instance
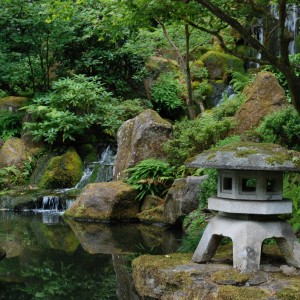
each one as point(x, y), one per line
point(292, 25)
point(98, 171)
point(52, 204)
point(228, 93)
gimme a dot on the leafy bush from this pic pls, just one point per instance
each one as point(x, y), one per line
point(165, 94)
point(191, 137)
point(291, 190)
point(240, 80)
point(75, 105)
point(194, 225)
point(228, 107)
point(282, 127)
point(15, 176)
point(10, 124)
point(150, 176)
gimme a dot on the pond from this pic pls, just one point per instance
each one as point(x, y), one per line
point(48, 257)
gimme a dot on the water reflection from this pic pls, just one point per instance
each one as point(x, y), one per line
point(48, 258)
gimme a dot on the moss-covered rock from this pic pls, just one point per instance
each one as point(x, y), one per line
point(153, 215)
point(105, 201)
point(12, 103)
point(13, 152)
point(174, 276)
point(220, 65)
point(63, 171)
point(263, 97)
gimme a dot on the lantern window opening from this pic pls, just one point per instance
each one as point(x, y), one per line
point(271, 186)
point(249, 185)
point(227, 184)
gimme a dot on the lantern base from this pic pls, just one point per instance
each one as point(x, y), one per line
point(247, 237)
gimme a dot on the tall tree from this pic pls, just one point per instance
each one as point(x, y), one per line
point(226, 11)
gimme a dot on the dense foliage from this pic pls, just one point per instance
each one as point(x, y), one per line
point(151, 177)
point(75, 105)
point(282, 127)
point(191, 137)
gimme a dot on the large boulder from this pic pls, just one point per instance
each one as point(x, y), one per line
point(13, 152)
point(182, 198)
point(219, 65)
point(62, 171)
point(141, 138)
point(263, 97)
point(105, 201)
point(175, 276)
point(12, 103)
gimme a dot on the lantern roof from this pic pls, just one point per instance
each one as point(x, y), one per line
point(248, 156)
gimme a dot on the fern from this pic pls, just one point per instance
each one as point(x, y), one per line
point(150, 177)
point(240, 80)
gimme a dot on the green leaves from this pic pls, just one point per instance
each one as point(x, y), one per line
point(150, 176)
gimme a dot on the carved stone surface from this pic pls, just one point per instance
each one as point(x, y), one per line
point(267, 207)
point(247, 237)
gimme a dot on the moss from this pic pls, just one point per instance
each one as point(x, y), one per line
point(245, 153)
point(13, 101)
point(162, 261)
point(222, 276)
point(241, 293)
point(154, 215)
point(289, 294)
point(219, 64)
point(63, 171)
point(275, 154)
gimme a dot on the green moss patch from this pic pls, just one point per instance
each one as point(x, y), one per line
point(63, 171)
point(230, 275)
point(241, 293)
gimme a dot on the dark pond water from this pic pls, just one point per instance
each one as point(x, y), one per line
point(49, 258)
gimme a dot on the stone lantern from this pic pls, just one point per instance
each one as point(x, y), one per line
point(249, 198)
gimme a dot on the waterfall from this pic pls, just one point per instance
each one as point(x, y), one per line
point(98, 171)
point(291, 22)
point(292, 25)
point(52, 204)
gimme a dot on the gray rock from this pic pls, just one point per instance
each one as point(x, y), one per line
point(141, 138)
point(182, 198)
point(105, 201)
point(150, 202)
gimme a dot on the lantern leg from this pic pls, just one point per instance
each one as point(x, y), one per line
point(208, 245)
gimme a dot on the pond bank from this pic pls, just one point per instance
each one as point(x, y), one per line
point(175, 276)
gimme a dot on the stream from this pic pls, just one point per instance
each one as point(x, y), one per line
point(63, 259)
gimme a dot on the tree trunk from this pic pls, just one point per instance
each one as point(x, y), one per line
point(188, 74)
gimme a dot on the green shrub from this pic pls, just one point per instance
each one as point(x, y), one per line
point(16, 175)
point(166, 94)
point(194, 225)
point(151, 176)
point(291, 190)
point(191, 137)
point(228, 107)
point(240, 80)
point(75, 105)
point(10, 124)
point(282, 127)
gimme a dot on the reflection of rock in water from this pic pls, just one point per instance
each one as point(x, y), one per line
point(125, 286)
point(118, 238)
